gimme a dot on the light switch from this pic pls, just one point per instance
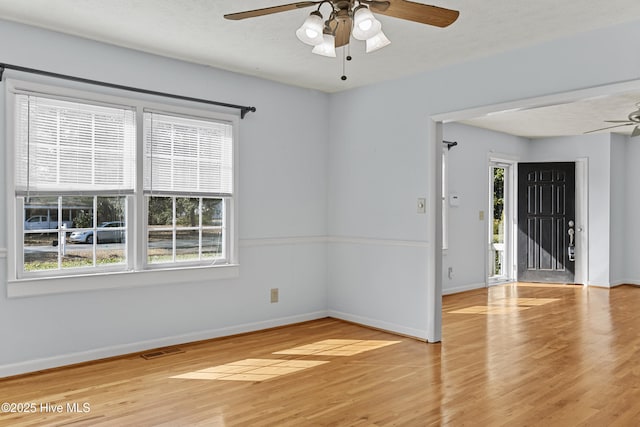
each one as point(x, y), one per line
point(422, 205)
point(481, 215)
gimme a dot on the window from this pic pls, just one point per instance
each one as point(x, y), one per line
point(182, 229)
point(105, 185)
point(188, 180)
point(74, 167)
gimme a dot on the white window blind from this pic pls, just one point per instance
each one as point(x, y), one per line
point(187, 155)
point(67, 147)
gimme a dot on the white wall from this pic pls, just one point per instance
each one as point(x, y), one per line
point(379, 156)
point(618, 208)
point(468, 177)
point(631, 235)
point(282, 203)
point(378, 242)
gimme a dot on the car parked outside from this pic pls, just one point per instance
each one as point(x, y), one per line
point(41, 222)
point(106, 234)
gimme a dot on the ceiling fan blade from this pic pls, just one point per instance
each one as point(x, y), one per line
point(610, 127)
point(422, 13)
point(269, 10)
point(377, 5)
point(619, 121)
point(343, 31)
point(636, 131)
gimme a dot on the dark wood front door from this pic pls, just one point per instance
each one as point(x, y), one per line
point(546, 212)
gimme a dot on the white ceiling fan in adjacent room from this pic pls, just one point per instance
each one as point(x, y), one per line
point(632, 120)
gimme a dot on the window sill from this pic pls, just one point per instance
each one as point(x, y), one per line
point(117, 280)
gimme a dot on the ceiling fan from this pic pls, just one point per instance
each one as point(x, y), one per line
point(633, 119)
point(353, 18)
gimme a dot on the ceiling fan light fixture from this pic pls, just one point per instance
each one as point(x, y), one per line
point(310, 32)
point(377, 42)
point(349, 18)
point(365, 25)
point(327, 47)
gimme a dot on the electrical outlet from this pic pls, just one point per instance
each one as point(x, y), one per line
point(274, 295)
point(481, 215)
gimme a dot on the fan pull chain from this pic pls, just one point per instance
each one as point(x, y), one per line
point(344, 73)
point(348, 58)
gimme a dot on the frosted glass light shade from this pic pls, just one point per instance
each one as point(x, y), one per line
point(311, 30)
point(327, 47)
point(377, 42)
point(365, 25)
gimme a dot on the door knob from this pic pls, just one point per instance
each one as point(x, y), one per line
point(572, 248)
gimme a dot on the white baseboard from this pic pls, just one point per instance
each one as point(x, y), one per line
point(379, 324)
point(625, 282)
point(615, 283)
point(119, 350)
point(463, 288)
point(600, 285)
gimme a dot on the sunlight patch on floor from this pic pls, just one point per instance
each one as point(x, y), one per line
point(251, 370)
point(490, 309)
point(337, 347)
point(505, 306)
point(524, 301)
point(266, 369)
point(546, 285)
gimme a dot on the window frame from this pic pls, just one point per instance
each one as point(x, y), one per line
point(137, 271)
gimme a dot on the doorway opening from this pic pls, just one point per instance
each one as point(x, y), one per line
point(581, 236)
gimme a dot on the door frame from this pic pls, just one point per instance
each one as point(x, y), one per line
point(582, 221)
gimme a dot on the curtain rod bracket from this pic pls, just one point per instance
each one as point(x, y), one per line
point(243, 109)
point(450, 144)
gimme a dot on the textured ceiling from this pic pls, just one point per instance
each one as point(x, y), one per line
point(266, 46)
point(574, 118)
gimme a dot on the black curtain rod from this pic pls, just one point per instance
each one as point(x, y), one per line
point(243, 109)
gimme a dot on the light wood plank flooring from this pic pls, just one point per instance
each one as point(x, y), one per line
point(513, 355)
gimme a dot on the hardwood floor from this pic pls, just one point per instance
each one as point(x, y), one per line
point(515, 355)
